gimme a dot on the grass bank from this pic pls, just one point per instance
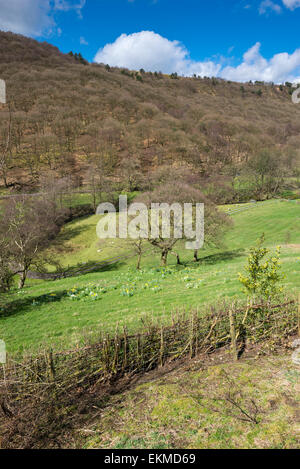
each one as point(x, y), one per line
point(59, 313)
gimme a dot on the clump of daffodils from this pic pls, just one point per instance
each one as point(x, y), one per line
point(91, 292)
point(127, 291)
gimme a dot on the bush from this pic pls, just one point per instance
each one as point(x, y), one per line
point(264, 276)
point(6, 278)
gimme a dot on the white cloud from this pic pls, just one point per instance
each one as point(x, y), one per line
point(291, 4)
point(152, 52)
point(65, 5)
point(281, 67)
point(34, 17)
point(83, 41)
point(268, 5)
point(28, 17)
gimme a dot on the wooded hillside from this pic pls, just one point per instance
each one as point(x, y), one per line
point(70, 119)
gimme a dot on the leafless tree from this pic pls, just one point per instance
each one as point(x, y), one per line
point(29, 226)
point(215, 222)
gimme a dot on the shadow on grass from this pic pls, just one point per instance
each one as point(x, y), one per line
point(77, 270)
point(222, 257)
point(20, 305)
point(70, 233)
point(111, 267)
point(92, 267)
point(58, 245)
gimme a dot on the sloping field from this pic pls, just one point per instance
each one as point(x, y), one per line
point(251, 404)
point(61, 312)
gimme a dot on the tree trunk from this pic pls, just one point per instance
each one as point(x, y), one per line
point(4, 177)
point(164, 257)
point(22, 280)
point(177, 257)
point(138, 267)
point(94, 200)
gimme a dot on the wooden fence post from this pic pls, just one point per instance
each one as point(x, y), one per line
point(125, 349)
point(233, 335)
point(299, 315)
point(162, 346)
point(51, 366)
point(192, 336)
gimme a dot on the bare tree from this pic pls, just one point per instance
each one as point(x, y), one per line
point(130, 172)
point(266, 165)
point(6, 273)
point(139, 248)
point(29, 227)
point(215, 222)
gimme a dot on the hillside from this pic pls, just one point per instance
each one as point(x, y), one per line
point(70, 117)
point(203, 405)
point(209, 402)
point(62, 312)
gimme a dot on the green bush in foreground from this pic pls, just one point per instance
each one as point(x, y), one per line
point(264, 274)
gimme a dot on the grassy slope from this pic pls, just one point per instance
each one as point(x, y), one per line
point(189, 408)
point(37, 319)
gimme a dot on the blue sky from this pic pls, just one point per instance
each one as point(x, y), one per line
point(235, 39)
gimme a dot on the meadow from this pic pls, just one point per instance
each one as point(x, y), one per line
point(247, 405)
point(63, 313)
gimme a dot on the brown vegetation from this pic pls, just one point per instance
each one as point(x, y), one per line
point(43, 396)
point(97, 123)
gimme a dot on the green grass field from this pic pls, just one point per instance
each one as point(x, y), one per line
point(247, 405)
point(65, 312)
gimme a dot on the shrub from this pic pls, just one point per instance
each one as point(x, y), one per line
point(6, 278)
point(263, 274)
